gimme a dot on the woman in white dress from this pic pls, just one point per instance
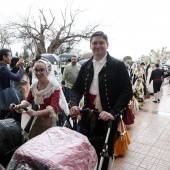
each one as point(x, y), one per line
point(150, 86)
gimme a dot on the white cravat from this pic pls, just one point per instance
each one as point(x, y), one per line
point(98, 65)
point(94, 88)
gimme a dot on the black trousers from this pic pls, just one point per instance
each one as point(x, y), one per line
point(157, 86)
point(98, 142)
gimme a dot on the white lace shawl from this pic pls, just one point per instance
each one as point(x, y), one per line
point(39, 97)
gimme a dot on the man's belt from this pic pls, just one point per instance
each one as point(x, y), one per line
point(157, 79)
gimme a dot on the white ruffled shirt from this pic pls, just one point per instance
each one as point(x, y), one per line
point(94, 88)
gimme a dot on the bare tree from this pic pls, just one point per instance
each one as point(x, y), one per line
point(5, 37)
point(37, 34)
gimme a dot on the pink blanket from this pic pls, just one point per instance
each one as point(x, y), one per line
point(58, 148)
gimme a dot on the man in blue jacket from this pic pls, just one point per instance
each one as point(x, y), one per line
point(7, 75)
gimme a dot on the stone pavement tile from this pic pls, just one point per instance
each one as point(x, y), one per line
point(133, 166)
point(139, 156)
point(149, 159)
point(154, 153)
point(140, 168)
point(153, 130)
point(166, 131)
point(161, 167)
point(135, 147)
point(145, 165)
point(123, 166)
point(164, 163)
point(144, 149)
point(164, 137)
point(162, 144)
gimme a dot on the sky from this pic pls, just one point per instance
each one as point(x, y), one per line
point(133, 26)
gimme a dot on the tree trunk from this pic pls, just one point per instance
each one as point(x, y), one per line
point(41, 47)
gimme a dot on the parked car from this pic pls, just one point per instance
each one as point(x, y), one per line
point(54, 59)
point(66, 57)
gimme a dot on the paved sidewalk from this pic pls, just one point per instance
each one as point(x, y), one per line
point(150, 137)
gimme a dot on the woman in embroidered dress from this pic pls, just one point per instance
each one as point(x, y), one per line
point(47, 94)
point(139, 73)
point(138, 92)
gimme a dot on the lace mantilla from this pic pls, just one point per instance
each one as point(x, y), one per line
point(39, 96)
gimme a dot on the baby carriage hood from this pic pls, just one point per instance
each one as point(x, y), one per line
point(57, 148)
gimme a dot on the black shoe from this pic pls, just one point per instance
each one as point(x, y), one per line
point(158, 100)
point(155, 101)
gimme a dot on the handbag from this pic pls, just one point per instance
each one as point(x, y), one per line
point(129, 117)
point(9, 95)
point(24, 80)
point(123, 140)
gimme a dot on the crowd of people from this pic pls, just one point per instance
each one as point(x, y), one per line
point(146, 80)
point(103, 83)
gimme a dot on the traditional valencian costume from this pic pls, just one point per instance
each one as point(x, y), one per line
point(138, 92)
point(51, 98)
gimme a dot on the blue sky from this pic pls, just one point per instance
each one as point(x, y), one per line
point(133, 26)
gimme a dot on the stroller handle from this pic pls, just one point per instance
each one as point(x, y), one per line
point(8, 115)
point(26, 109)
point(29, 123)
point(84, 111)
point(95, 112)
point(90, 110)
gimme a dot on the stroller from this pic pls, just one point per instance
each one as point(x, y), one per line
point(58, 148)
point(11, 138)
point(65, 148)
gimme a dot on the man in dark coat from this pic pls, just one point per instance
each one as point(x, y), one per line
point(157, 77)
point(105, 84)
